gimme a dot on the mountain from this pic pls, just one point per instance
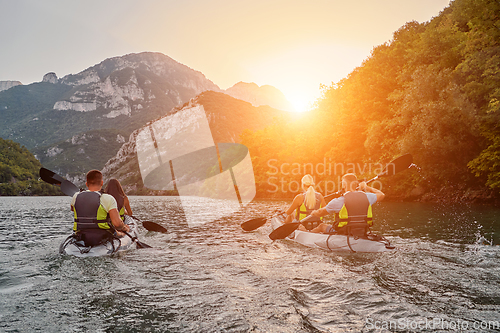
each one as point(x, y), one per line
point(227, 117)
point(263, 95)
point(79, 121)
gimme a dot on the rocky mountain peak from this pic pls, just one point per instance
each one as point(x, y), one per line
point(4, 85)
point(50, 77)
point(125, 85)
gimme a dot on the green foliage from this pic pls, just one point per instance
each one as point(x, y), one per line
point(433, 91)
point(19, 172)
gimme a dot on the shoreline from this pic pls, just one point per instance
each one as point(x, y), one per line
point(446, 195)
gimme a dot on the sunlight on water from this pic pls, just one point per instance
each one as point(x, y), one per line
point(217, 278)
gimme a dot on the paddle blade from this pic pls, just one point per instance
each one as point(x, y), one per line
point(253, 224)
point(151, 226)
point(399, 164)
point(69, 188)
point(141, 245)
point(284, 230)
point(50, 177)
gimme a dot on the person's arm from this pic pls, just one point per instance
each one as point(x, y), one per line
point(320, 212)
point(333, 206)
point(73, 200)
point(323, 202)
point(117, 221)
point(365, 188)
point(297, 201)
point(126, 204)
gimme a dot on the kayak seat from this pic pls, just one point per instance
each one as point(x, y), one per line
point(357, 226)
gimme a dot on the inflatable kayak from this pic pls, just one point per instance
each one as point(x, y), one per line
point(336, 243)
point(71, 246)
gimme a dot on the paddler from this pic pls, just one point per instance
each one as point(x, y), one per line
point(96, 213)
point(355, 204)
point(304, 203)
point(115, 189)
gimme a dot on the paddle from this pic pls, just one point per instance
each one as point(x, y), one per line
point(151, 226)
point(140, 245)
point(255, 223)
point(399, 164)
point(286, 229)
point(50, 177)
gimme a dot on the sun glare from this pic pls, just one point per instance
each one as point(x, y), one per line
point(299, 103)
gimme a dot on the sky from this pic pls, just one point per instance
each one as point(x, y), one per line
point(293, 45)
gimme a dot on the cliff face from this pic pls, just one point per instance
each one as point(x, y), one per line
point(101, 103)
point(73, 124)
point(227, 117)
point(4, 85)
point(123, 85)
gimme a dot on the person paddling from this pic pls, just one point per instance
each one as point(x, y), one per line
point(354, 205)
point(304, 203)
point(115, 189)
point(96, 214)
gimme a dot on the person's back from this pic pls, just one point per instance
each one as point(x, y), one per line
point(309, 205)
point(115, 189)
point(305, 203)
point(96, 215)
point(353, 210)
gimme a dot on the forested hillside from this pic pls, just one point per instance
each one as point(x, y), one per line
point(19, 172)
point(432, 91)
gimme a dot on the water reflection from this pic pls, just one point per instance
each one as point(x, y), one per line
point(217, 278)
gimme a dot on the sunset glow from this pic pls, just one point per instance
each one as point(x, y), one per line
point(292, 45)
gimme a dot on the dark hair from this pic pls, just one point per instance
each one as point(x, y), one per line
point(94, 177)
point(116, 190)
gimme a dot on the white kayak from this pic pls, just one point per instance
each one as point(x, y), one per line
point(333, 242)
point(76, 248)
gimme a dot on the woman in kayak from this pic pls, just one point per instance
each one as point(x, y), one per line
point(116, 190)
point(304, 203)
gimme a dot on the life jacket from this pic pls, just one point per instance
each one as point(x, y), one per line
point(120, 201)
point(89, 213)
point(303, 212)
point(355, 211)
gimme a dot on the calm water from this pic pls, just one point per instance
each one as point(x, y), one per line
point(217, 278)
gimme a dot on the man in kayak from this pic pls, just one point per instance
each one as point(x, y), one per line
point(355, 205)
point(96, 213)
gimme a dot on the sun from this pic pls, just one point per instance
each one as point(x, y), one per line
point(299, 103)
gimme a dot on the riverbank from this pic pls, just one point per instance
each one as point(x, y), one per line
point(447, 194)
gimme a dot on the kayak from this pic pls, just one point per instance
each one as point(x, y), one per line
point(71, 246)
point(333, 242)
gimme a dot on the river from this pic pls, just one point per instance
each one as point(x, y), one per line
point(216, 278)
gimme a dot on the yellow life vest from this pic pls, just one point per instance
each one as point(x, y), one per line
point(356, 208)
point(122, 213)
point(303, 212)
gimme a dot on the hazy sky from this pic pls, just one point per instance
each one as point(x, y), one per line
point(293, 45)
